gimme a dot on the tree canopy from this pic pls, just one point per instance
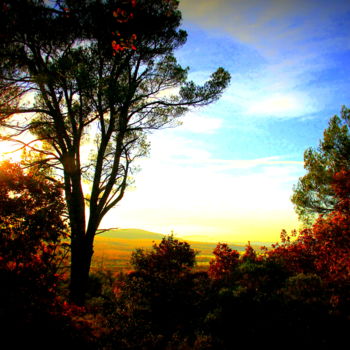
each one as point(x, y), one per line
point(169, 258)
point(99, 74)
point(314, 193)
point(31, 216)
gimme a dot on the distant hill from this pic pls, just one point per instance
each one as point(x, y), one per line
point(131, 233)
point(113, 248)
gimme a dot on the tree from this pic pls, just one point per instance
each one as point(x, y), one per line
point(323, 248)
point(170, 258)
point(333, 234)
point(249, 254)
point(101, 68)
point(314, 193)
point(159, 297)
point(225, 262)
point(32, 228)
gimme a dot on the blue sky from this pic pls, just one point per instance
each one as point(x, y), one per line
point(227, 173)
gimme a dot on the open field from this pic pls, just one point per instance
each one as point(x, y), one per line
point(113, 248)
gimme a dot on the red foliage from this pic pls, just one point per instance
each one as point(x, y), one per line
point(31, 218)
point(31, 229)
point(121, 44)
point(224, 263)
point(333, 234)
point(249, 253)
point(324, 248)
point(341, 186)
point(298, 256)
point(123, 41)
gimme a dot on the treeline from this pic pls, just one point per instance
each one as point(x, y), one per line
point(295, 293)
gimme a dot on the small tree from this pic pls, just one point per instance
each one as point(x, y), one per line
point(158, 298)
point(333, 234)
point(249, 254)
point(225, 262)
point(325, 247)
point(314, 193)
point(170, 258)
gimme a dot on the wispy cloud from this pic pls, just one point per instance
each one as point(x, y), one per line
point(275, 27)
point(201, 124)
point(281, 106)
point(297, 43)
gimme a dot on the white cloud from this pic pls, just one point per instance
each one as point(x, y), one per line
point(168, 147)
point(273, 92)
point(273, 27)
point(200, 124)
point(281, 106)
point(296, 45)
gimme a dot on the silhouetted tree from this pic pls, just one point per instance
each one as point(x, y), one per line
point(160, 297)
point(101, 73)
point(170, 258)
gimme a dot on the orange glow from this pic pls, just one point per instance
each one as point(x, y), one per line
point(8, 151)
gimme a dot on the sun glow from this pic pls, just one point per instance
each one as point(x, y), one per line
point(10, 151)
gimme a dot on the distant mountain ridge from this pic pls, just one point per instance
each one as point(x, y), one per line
point(137, 236)
point(131, 233)
point(135, 233)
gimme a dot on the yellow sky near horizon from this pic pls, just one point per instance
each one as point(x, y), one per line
point(250, 227)
point(184, 189)
point(163, 202)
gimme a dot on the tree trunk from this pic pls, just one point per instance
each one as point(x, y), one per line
point(81, 241)
point(81, 256)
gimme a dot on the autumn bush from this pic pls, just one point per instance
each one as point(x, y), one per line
point(32, 251)
point(324, 249)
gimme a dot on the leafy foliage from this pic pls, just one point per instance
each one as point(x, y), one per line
point(314, 193)
point(170, 258)
point(159, 296)
point(32, 254)
point(324, 248)
point(224, 263)
point(32, 217)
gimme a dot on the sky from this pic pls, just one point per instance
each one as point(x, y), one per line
point(227, 173)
